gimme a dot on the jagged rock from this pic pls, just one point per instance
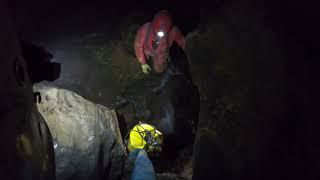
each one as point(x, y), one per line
point(87, 139)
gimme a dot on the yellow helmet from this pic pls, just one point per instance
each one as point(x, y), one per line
point(145, 136)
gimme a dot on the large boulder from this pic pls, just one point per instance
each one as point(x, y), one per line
point(86, 136)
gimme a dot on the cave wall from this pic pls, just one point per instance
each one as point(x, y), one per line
point(26, 145)
point(254, 83)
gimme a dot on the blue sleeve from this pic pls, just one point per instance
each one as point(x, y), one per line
point(143, 168)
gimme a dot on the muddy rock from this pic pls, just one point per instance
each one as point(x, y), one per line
point(86, 136)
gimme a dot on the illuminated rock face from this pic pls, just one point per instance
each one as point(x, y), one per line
point(86, 136)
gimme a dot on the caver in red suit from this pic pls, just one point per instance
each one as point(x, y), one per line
point(153, 41)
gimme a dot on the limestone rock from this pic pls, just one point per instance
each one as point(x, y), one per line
point(86, 136)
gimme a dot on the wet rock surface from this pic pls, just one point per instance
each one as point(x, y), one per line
point(86, 136)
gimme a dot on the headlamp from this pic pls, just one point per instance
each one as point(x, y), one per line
point(160, 34)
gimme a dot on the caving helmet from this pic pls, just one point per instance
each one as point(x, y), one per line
point(162, 24)
point(145, 136)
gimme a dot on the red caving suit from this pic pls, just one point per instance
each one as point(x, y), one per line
point(160, 54)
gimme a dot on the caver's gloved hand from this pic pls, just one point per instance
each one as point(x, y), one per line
point(145, 68)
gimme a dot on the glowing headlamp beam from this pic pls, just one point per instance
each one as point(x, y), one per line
point(160, 34)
